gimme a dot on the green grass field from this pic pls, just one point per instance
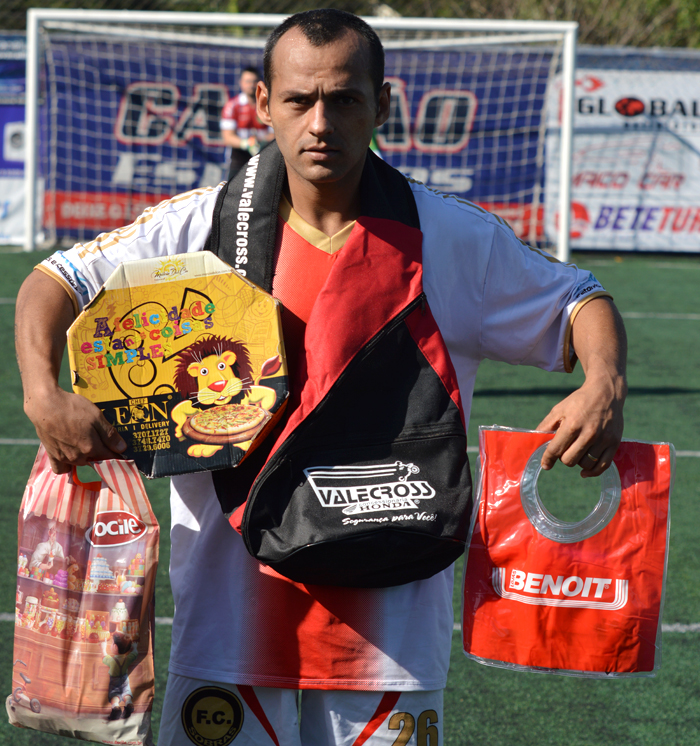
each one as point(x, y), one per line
point(485, 705)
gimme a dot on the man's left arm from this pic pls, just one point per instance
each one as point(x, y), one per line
point(589, 422)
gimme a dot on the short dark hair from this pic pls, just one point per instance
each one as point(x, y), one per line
point(253, 70)
point(122, 641)
point(324, 26)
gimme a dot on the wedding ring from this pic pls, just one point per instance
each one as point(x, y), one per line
point(592, 458)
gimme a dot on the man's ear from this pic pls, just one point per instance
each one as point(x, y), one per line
point(383, 105)
point(262, 102)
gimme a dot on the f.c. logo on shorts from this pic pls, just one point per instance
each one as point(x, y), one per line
point(212, 716)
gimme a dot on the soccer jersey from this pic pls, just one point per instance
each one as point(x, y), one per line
point(303, 259)
point(240, 116)
point(240, 622)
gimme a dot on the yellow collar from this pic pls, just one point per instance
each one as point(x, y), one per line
point(329, 244)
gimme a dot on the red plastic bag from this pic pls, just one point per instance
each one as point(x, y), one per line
point(84, 616)
point(573, 598)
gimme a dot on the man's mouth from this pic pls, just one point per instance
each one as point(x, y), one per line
point(321, 152)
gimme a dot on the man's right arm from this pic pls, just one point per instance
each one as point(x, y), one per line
point(228, 126)
point(72, 429)
point(231, 139)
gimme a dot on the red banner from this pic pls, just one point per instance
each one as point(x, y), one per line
point(99, 211)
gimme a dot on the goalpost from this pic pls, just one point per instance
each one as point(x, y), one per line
point(123, 109)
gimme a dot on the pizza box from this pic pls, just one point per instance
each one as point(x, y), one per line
point(185, 358)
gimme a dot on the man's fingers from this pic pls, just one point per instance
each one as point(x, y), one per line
point(581, 451)
point(110, 437)
point(587, 432)
point(555, 450)
point(588, 461)
point(565, 445)
point(100, 443)
point(592, 468)
point(58, 467)
point(100, 451)
point(549, 423)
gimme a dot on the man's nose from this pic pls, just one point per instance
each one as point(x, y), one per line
point(320, 123)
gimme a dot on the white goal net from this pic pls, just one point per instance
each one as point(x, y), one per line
point(124, 108)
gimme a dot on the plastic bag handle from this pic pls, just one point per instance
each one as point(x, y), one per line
point(92, 486)
point(562, 531)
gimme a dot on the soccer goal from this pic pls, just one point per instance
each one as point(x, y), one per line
point(123, 111)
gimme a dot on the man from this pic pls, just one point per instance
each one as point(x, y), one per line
point(372, 663)
point(48, 554)
point(241, 129)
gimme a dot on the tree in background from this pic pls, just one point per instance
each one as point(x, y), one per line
point(636, 23)
point(633, 23)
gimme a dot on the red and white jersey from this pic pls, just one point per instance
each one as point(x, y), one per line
point(582, 598)
point(236, 620)
point(240, 116)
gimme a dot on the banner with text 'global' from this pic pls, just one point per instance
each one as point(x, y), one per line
point(636, 160)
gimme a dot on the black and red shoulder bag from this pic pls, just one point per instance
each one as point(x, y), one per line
point(366, 483)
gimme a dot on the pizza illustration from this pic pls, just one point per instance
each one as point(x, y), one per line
point(229, 423)
point(223, 400)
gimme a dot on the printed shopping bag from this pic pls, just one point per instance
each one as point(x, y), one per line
point(579, 598)
point(84, 616)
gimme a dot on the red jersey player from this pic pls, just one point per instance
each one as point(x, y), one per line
point(240, 127)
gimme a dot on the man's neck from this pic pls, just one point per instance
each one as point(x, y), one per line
point(327, 207)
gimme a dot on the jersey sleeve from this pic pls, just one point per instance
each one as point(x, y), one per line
point(176, 226)
point(530, 302)
point(494, 296)
point(227, 120)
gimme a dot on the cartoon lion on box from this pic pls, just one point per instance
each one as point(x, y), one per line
point(215, 372)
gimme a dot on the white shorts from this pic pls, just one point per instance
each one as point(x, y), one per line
point(209, 713)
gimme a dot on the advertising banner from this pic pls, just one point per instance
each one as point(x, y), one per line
point(636, 160)
point(12, 56)
point(466, 122)
point(128, 123)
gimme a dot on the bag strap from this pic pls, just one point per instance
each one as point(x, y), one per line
point(386, 194)
point(250, 202)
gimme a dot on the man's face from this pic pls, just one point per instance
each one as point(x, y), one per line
point(322, 106)
point(248, 83)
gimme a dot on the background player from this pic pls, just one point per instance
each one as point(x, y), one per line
point(240, 127)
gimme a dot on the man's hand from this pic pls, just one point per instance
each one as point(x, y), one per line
point(588, 426)
point(589, 422)
point(73, 430)
point(231, 139)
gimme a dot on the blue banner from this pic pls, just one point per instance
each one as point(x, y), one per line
point(12, 89)
point(469, 123)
